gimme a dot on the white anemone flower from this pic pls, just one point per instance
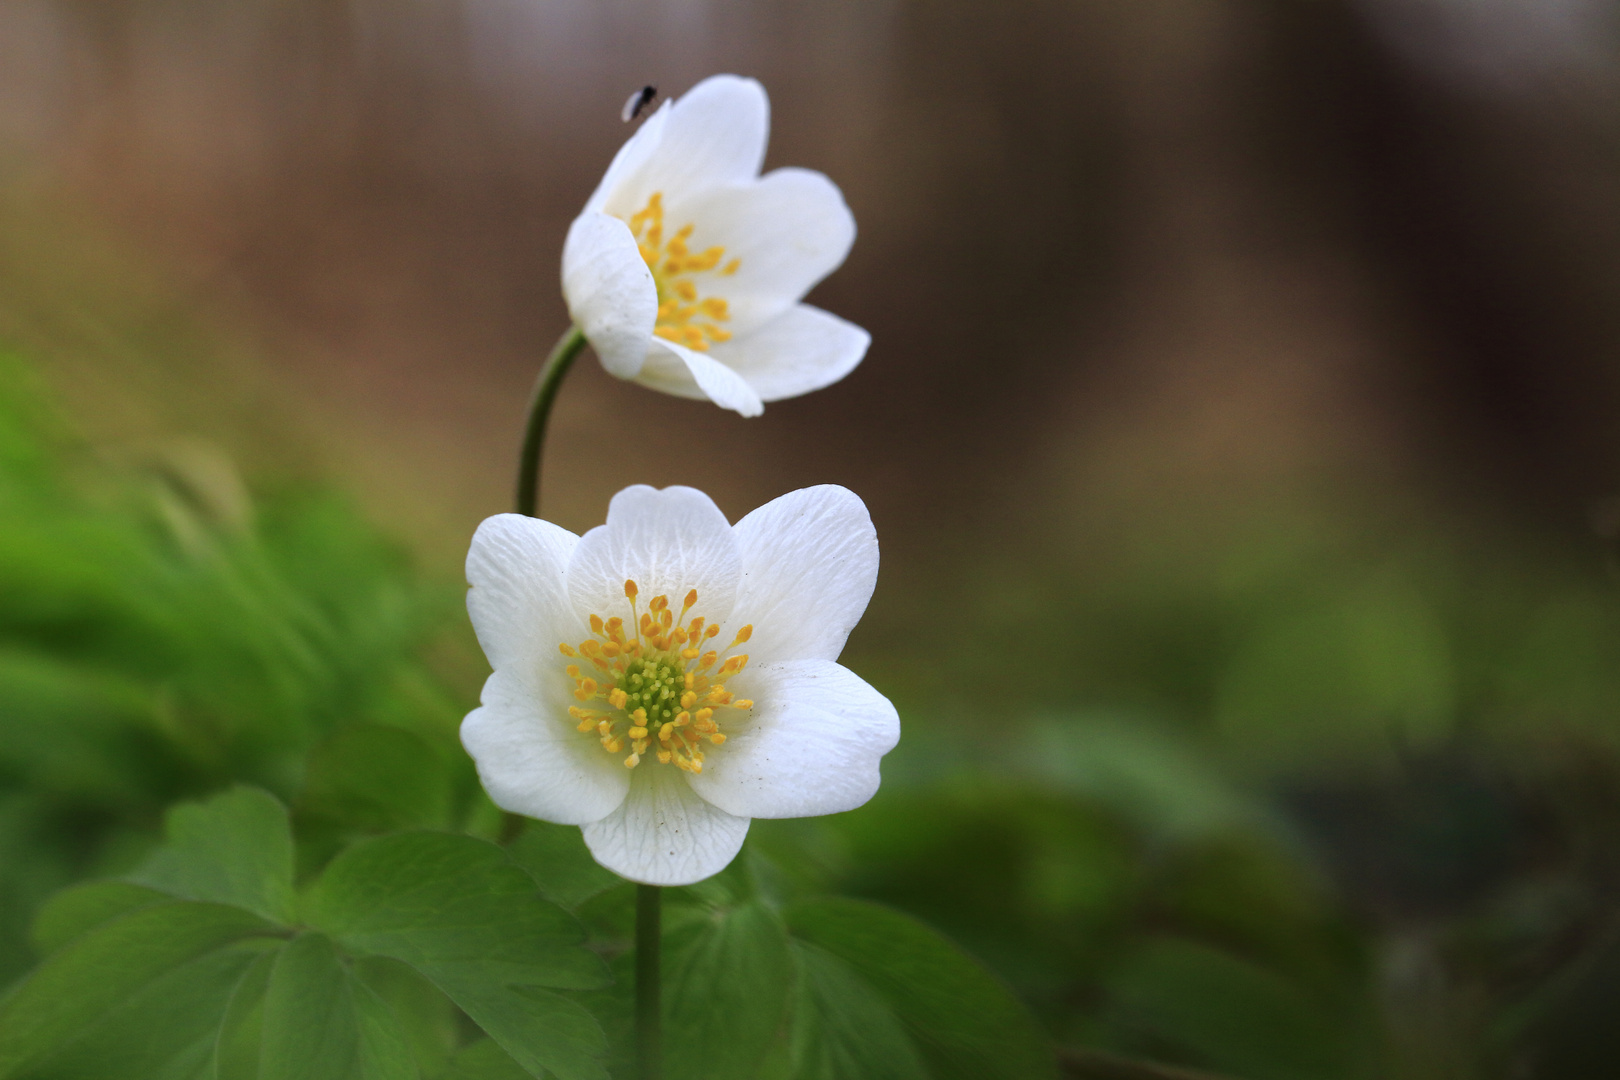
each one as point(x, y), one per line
point(686, 267)
point(648, 726)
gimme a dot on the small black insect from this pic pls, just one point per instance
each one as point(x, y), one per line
point(637, 101)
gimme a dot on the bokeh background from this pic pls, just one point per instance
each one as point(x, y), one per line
point(1241, 427)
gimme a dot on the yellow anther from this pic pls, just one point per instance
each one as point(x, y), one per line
point(708, 659)
point(691, 676)
point(715, 307)
point(618, 698)
point(665, 618)
point(717, 738)
point(683, 718)
point(713, 631)
point(704, 714)
point(663, 732)
point(697, 765)
point(638, 733)
point(630, 590)
point(640, 717)
point(566, 649)
point(689, 654)
point(659, 603)
point(687, 290)
point(687, 699)
point(596, 624)
point(663, 757)
point(604, 728)
point(586, 689)
point(573, 671)
point(731, 267)
point(632, 761)
point(742, 703)
point(590, 648)
point(742, 635)
point(585, 724)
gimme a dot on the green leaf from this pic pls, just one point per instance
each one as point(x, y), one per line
point(556, 857)
point(465, 916)
point(965, 1023)
point(236, 848)
point(431, 1021)
point(241, 1030)
point(321, 1023)
point(73, 911)
point(484, 1060)
point(727, 979)
point(159, 961)
point(844, 1028)
point(542, 1031)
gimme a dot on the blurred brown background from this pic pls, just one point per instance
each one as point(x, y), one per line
point(1156, 259)
point(1214, 343)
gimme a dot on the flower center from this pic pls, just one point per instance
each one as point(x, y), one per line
point(659, 682)
point(684, 316)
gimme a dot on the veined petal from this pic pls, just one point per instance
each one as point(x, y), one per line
point(668, 542)
point(532, 761)
point(809, 564)
point(801, 350)
point(713, 134)
point(663, 834)
point(517, 567)
point(787, 231)
point(811, 746)
point(610, 292)
point(684, 372)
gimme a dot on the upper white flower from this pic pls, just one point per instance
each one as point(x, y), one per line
point(648, 726)
point(686, 267)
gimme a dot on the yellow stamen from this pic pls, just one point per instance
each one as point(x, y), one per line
point(673, 265)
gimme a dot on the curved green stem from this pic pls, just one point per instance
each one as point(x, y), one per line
point(649, 1021)
point(546, 385)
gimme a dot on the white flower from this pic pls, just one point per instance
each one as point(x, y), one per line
point(686, 267)
point(647, 725)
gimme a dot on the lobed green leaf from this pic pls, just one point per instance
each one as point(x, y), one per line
point(966, 1024)
point(236, 848)
point(139, 987)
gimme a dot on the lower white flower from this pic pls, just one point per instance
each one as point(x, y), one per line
point(622, 701)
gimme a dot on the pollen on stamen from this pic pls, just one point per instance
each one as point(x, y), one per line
point(660, 693)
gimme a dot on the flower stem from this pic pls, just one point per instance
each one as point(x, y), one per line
point(649, 1022)
point(546, 385)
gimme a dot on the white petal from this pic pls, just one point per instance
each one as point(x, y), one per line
point(675, 369)
point(801, 350)
point(809, 564)
point(531, 759)
point(668, 542)
point(631, 157)
point(787, 230)
point(663, 834)
point(610, 291)
point(517, 567)
point(714, 134)
point(810, 746)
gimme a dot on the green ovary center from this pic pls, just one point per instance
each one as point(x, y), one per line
point(655, 685)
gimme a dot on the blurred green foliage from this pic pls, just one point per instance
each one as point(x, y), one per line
point(1315, 801)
